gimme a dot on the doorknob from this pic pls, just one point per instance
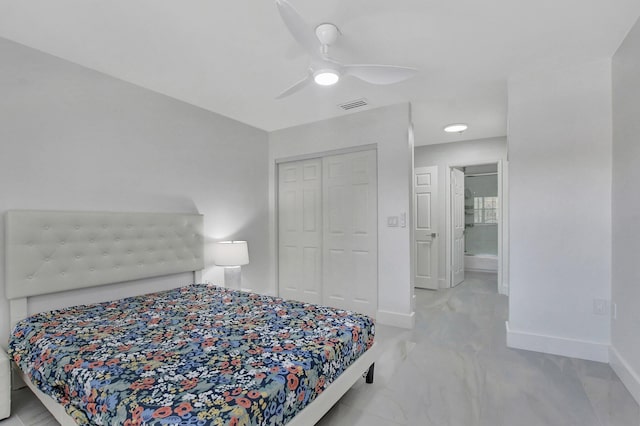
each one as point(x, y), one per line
point(433, 235)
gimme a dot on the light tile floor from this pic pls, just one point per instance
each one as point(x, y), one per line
point(454, 369)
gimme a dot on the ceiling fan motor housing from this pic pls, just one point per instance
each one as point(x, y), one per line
point(327, 34)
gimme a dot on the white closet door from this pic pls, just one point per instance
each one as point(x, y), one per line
point(350, 243)
point(300, 230)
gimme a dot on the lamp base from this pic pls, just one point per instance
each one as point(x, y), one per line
point(232, 277)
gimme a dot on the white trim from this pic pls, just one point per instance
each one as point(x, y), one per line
point(629, 377)
point(396, 319)
point(348, 150)
point(410, 214)
point(442, 283)
point(482, 263)
point(555, 345)
point(503, 227)
point(447, 227)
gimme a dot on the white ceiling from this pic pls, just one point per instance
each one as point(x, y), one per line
point(234, 57)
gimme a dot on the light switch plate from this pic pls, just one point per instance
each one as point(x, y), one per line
point(392, 221)
point(600, 306)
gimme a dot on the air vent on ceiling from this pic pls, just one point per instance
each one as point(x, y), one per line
point(358, 103)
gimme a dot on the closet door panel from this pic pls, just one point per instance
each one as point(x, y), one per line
point(336, 272)
point(350, 233)
point(300, 230)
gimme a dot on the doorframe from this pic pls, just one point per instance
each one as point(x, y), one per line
point(503, 221)
point(276, 217)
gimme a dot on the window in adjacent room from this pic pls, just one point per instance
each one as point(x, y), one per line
point(485, 210)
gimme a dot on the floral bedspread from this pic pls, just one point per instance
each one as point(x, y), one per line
point(196, 355)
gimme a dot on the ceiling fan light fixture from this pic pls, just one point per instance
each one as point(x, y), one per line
point(323, 70)
point(456, 128)
point(326, 77)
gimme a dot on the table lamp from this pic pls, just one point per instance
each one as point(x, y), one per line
point(232, 255)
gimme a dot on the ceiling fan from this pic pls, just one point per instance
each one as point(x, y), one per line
point(325, 70)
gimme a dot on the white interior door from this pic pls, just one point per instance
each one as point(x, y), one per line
point(300, 230)
point(457, 224)
point(425, 231)
point(350, 243)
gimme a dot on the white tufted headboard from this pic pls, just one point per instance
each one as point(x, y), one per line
point(52, 251)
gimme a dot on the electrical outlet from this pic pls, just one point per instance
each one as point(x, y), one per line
point(600, 306)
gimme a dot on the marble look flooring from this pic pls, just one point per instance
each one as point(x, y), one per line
point(454, 369)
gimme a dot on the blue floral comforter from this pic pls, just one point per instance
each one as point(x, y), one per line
point(196, 355)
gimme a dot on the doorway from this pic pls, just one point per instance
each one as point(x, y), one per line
point(481, 218)
point(476, 230)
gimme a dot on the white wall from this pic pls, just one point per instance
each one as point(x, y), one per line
point(388, 128)
point(455, 154)
point(560, 209)
point(75, 139)
point(625, 336)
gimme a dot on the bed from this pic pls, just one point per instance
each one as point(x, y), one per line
point(271, 365)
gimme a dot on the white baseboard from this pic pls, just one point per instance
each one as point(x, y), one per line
point(396, 319)
point(481, 263)
point(503, 288)
point(442, 283)
point(627, 374)
point(493, 271)
point(583, 349)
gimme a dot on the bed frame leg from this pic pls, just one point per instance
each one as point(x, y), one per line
point(369, 378)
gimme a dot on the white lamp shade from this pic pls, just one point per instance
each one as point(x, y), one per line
point(231, 253)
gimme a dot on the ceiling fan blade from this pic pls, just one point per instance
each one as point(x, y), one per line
point(380, 74)
point(295, 87)
point(299, 29)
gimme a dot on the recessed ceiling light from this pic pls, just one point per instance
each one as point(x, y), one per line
point(326, 77)
point(456, 128)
